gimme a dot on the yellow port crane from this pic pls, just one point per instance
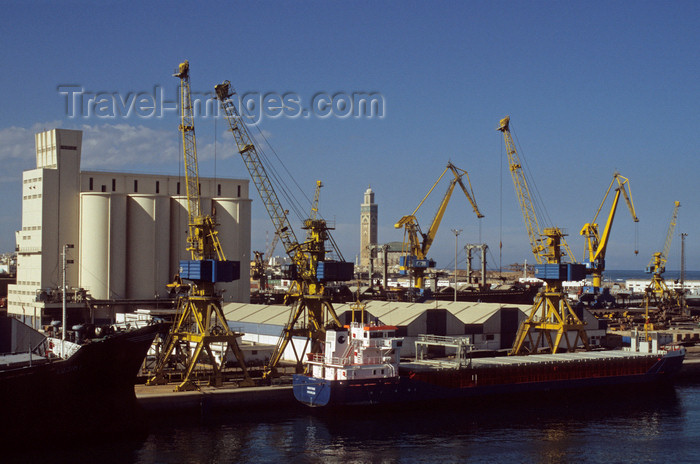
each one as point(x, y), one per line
point(596, 244)
point(416, 244)
point(258, 271)
point(311, 306)
point(199, 316)
point(538, 236)
point(551, 312)
point(657, 290)
point(314, 207)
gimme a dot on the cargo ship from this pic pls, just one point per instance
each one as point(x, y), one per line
point(55, 390)
point(362, 366)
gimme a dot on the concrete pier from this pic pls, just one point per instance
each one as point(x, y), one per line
point(161, 399)
point(691, 365)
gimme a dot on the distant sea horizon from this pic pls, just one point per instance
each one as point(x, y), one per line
point(620, 275)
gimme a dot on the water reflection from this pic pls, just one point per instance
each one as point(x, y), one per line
point(603, 428)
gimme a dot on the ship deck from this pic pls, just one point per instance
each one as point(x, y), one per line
point(522, 361)
point(12, 361)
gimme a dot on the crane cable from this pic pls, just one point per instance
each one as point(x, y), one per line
point(285, 190)
point(539, 205)
point(270, 167)
point(500, 211)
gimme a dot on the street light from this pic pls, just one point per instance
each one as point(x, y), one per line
point(65, 318)
point(456, 232)
point(683, 236)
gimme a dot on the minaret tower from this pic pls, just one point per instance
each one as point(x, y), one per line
point(368, 226)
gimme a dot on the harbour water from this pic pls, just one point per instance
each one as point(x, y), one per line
point(613, 427)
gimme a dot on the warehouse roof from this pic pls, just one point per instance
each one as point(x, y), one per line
point(471, 312)
point(388, 312)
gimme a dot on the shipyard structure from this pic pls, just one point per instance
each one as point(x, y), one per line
point(111, 237)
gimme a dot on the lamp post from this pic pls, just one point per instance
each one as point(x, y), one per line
point(683, 236)
point(456, 232)
point(65, 318)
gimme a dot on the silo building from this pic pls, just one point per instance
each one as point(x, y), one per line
point(112, 237)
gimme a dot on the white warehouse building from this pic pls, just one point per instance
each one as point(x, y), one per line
point(128, 232)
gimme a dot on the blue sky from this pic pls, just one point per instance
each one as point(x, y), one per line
point(591, 88)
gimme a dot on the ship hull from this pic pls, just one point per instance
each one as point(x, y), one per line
point(416, 385)
point(90, 393)
point(320, 392)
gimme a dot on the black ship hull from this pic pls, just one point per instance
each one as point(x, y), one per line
point(90, 393)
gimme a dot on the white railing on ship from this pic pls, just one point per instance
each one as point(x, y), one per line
point(442, 340)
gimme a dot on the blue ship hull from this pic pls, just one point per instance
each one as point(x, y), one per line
point(457, 384)
point(319, 392)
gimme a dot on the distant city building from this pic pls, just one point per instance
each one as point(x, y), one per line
point(394, 251)
point(127, 231)
point(368, 227)
point(640, 285)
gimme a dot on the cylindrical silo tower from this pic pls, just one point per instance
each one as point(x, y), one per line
point(147, 251)
point(102, 244)
point(178, 233)
point(233, 215)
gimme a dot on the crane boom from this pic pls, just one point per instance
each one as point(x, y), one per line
point(203, 241)
point(437, 220)
point(415, 251)
point(189, 145)
point(199, 315)
point(459, 174)
point(522, 191)
point(669, 233)
point(526, 202)
point(657, 290)
point(657, 264)
point(256, 168)
point(311, 307)
point(551, 312)
point(314, 204)
point(596, 243)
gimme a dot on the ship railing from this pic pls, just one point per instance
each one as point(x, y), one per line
point(380, 343)
point(462, 346)
point(443, 340)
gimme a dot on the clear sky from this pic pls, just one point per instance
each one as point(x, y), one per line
point(591, 88)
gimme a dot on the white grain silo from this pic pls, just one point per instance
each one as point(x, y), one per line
point(129, 232)
point(178, 233)
point(103, 244)
point(148, 242)
point(231, 214)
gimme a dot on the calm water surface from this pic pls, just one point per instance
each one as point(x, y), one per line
point(660, 426)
